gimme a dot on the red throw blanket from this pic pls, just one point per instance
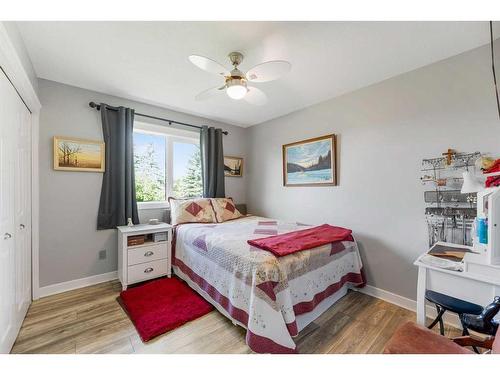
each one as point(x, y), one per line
point(493, 181)
point(289, 243)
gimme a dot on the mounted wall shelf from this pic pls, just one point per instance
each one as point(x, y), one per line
point(449, 213)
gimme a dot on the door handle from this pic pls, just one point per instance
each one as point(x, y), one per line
point(21, 226)
point(6, 236)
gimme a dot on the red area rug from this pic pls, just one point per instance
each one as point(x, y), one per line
point(162, 305)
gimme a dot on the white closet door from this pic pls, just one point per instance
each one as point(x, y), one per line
point(22, 194)
point(15, 213)
point(8, 125)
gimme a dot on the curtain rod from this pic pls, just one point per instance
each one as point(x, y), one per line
point(170, 122)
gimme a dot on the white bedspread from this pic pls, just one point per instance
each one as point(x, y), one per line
point(260, 291)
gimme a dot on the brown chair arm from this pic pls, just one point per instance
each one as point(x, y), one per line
point(486, 343)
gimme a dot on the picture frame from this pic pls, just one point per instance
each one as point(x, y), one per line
point(78, 155)
point(311, 162)
point(233, 166)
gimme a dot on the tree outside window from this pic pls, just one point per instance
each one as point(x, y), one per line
point(190, 185)
point(149, 177)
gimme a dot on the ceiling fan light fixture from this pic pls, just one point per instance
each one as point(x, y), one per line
point(236, 89)
point(235, 81)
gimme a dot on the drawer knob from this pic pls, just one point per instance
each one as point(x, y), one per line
point(148, 253)
point(148, 270)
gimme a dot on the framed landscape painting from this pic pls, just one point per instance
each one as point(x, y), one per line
point(311, 162)
point(233, 166)
point(82, 155)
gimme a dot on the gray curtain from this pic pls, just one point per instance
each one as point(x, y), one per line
point(118, 202)
point(212, 162)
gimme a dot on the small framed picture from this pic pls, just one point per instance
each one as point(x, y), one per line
point(78, 155)
point(311, 162)
point(233, 166)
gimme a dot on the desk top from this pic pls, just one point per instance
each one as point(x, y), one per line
point(473, 270)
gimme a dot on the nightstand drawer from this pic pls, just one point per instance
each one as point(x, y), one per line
point(146, 271)
point(147, 253)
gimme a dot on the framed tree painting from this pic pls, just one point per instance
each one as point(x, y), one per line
point(311, 162)
point(80, 155)
point(233, 166)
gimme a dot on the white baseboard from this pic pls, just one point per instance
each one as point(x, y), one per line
point(393, 298)
point(75, 284)
point(408, 304)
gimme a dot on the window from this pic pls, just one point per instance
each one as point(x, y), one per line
point(167, 163)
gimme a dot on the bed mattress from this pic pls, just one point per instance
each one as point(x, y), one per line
point(263, 293)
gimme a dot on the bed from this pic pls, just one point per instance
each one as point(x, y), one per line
point(273, 298)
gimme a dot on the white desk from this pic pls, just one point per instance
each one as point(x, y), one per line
point(478, 283)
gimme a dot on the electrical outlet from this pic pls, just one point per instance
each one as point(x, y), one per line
point(102, 254)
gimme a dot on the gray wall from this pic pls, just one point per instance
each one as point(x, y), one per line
point(383, 133)
point(69, 242)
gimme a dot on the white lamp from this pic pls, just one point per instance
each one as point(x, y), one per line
point(236, 89)
point(471, 183)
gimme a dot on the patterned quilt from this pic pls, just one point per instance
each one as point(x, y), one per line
point(253, 287)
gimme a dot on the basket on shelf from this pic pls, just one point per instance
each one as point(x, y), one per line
point(135, 240)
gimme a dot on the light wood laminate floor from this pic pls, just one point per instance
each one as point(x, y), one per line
point(90, 320)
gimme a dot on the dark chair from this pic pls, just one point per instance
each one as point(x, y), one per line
point(484, 322)
point(447, 303)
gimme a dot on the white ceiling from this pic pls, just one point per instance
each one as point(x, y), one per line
point(147, 61)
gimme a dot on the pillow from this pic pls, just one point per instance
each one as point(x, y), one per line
point(225, 209)
point(197, 210)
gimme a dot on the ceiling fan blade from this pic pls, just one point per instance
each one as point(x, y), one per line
point(208, 65)
point(209, 93)
point(268, 71)
point(255, 96)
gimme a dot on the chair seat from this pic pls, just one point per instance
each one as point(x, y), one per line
point(452, 304)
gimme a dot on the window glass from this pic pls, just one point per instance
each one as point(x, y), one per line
point(150, 152)
point(186, 170)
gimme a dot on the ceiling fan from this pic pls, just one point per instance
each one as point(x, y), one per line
point(236, 82)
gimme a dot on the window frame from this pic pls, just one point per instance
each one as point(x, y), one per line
point(171, 135)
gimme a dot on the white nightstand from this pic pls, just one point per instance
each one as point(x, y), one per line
point(146, 261)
